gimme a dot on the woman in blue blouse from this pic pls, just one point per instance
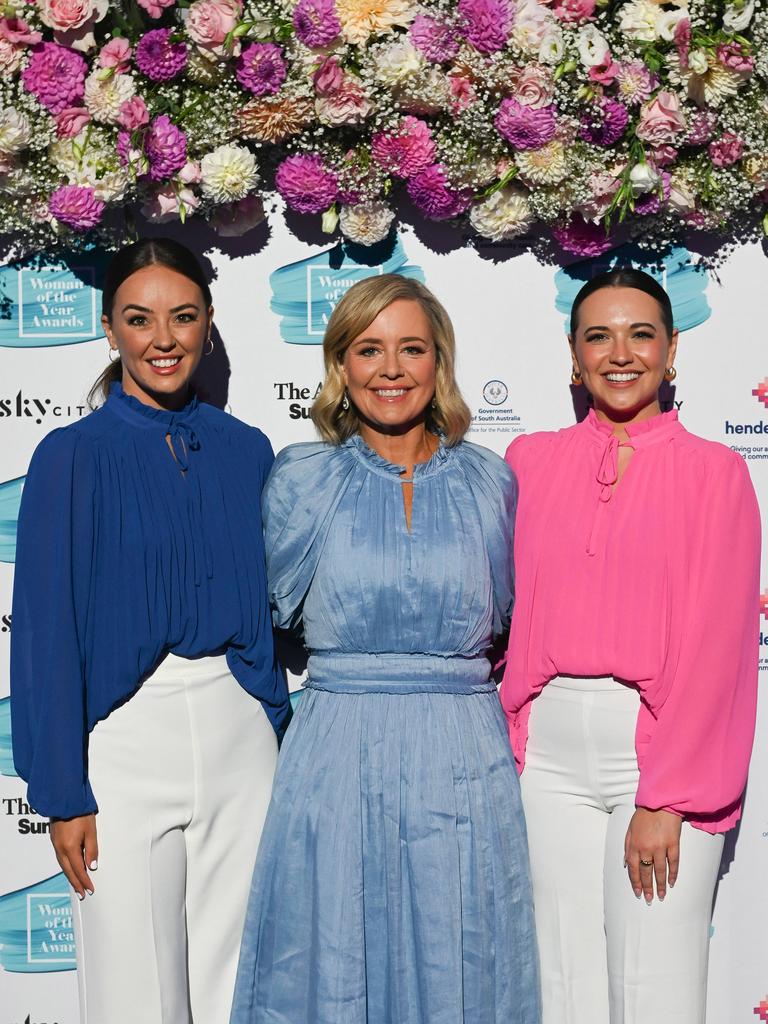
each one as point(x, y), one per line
point(392, 882)
point(140, 616)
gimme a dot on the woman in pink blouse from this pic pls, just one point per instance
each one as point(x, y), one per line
point(631, 679)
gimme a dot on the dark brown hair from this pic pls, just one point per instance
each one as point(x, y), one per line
point(624, 277)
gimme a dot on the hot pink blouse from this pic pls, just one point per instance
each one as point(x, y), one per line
point(654, 581)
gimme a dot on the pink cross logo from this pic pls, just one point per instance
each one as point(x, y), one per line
point(762, 1009)
point(761, 392)
point(764, 604)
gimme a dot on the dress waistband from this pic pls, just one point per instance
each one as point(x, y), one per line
point(398, 673)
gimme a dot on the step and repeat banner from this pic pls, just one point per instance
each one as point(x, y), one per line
point(273, 297)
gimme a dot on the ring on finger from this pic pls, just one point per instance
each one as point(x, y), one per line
point(646, 863)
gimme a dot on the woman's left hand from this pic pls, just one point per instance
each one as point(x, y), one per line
point(652, 836)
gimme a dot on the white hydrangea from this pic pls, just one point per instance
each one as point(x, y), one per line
point(15, 133)
point(503, 215)
point(105, 96)
point(397, 61)
point(366, 223)
point(228, 173)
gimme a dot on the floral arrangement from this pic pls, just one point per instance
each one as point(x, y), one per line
point(586, 119)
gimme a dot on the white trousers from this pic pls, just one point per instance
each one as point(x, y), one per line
point(182, 774)
point(606, 956)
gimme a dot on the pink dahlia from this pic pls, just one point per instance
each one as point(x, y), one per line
point(486, 23)
point(76, 206)
point(166, 148)
point(525, 127)
point(261, 69)
point(604, 123)
point(635, 82)
point(55, 75)
point(434, 38)
point(159, 58)
point(583, 238)
point(726, 150)
point(406, 153)
point(434, 197)
point(306, 184)
point(315, 22)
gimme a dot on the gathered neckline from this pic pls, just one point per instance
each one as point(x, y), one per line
point(132, 409)
point(378, 464)
point(656, 428)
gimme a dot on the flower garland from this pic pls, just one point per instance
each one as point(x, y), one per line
point(581, 118)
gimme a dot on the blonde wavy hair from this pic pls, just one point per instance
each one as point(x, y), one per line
point(359, 307)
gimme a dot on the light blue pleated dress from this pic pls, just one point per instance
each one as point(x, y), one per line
point(392, 882)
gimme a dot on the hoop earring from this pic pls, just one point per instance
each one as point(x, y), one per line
point(210, 342)
point(111, 354)
point(576, 378)
point(670, 373)
point(345, 402)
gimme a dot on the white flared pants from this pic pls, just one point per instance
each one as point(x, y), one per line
point(606, 956)
point(182, 774)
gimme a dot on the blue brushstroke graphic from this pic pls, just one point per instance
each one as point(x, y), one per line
point(36, 928)
point(684, 280)
point(10, 498)
point(304, 294)
point(49, 302)
point(294, 697)
point(6, 752)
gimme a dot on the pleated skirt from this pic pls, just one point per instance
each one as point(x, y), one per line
point(392, 884)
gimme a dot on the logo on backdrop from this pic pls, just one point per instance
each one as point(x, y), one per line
point(761, 392)
point(298, 396)
point(304, 294)
point(684, 280)
point(10, 498)
point(25, 407)
point(754, 451)
point(46, 305)
point(495, 416)
point(6, 751)
point(5, 623)
point(14, 809)
point(762, 1009)
point(36, 928)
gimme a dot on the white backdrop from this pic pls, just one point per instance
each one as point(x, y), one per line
point(514, 370)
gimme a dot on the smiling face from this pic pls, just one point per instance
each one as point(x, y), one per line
point(621, 349)
point(159, 325)
point(389, 368)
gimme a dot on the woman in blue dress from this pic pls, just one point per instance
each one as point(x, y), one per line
point(392, 882)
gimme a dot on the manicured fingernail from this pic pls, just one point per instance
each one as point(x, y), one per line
point(648, 900)
point(637, 893)
point(93, 865)
point(671, 885)
point(89, 891)
point(661, 898)
point(80, 895)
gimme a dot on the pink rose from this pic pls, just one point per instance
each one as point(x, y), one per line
point(665, 155)
point(574, 10)
point(731, 55)
point(155, 8)
point(191, 173)
point(16, 30)
point(116, 54)
point(210, 21)
point(71, 121)
point(346, 105)
point(329, 77)
point(73, 21)
point(660, 119)
point(133, 114)
point(534, 87)
point(726, 150)
point(11, 58)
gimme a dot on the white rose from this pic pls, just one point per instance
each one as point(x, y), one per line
point(638, 20)
point(592, 46)
point(398, 61)
point(737, 16)
point(644, 178)
point(552, 49)
point(697, 62)
point(15, 132)
point(366, 223)
point(668, 21)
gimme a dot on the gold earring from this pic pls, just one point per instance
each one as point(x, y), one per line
point(576, 378)
point(670, 373)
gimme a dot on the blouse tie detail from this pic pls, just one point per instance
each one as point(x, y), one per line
point(183, 439)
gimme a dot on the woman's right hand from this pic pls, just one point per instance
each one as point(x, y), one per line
point(74, 841)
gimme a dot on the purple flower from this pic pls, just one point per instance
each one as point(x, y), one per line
point(652, 202)
point(315, 22)
point(158, 58)
point(55, 75)
point(583, 238)
point(76, 206)
point(435, 39)
point(124, 147)
point(486, 23)
point(306, 184)
point(701, 128)
point(604, 123)
point(434, 197)
point(525, 127)
point(261, 69)
point(166, 148)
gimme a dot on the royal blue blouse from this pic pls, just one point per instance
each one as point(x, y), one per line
point(139, 533)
